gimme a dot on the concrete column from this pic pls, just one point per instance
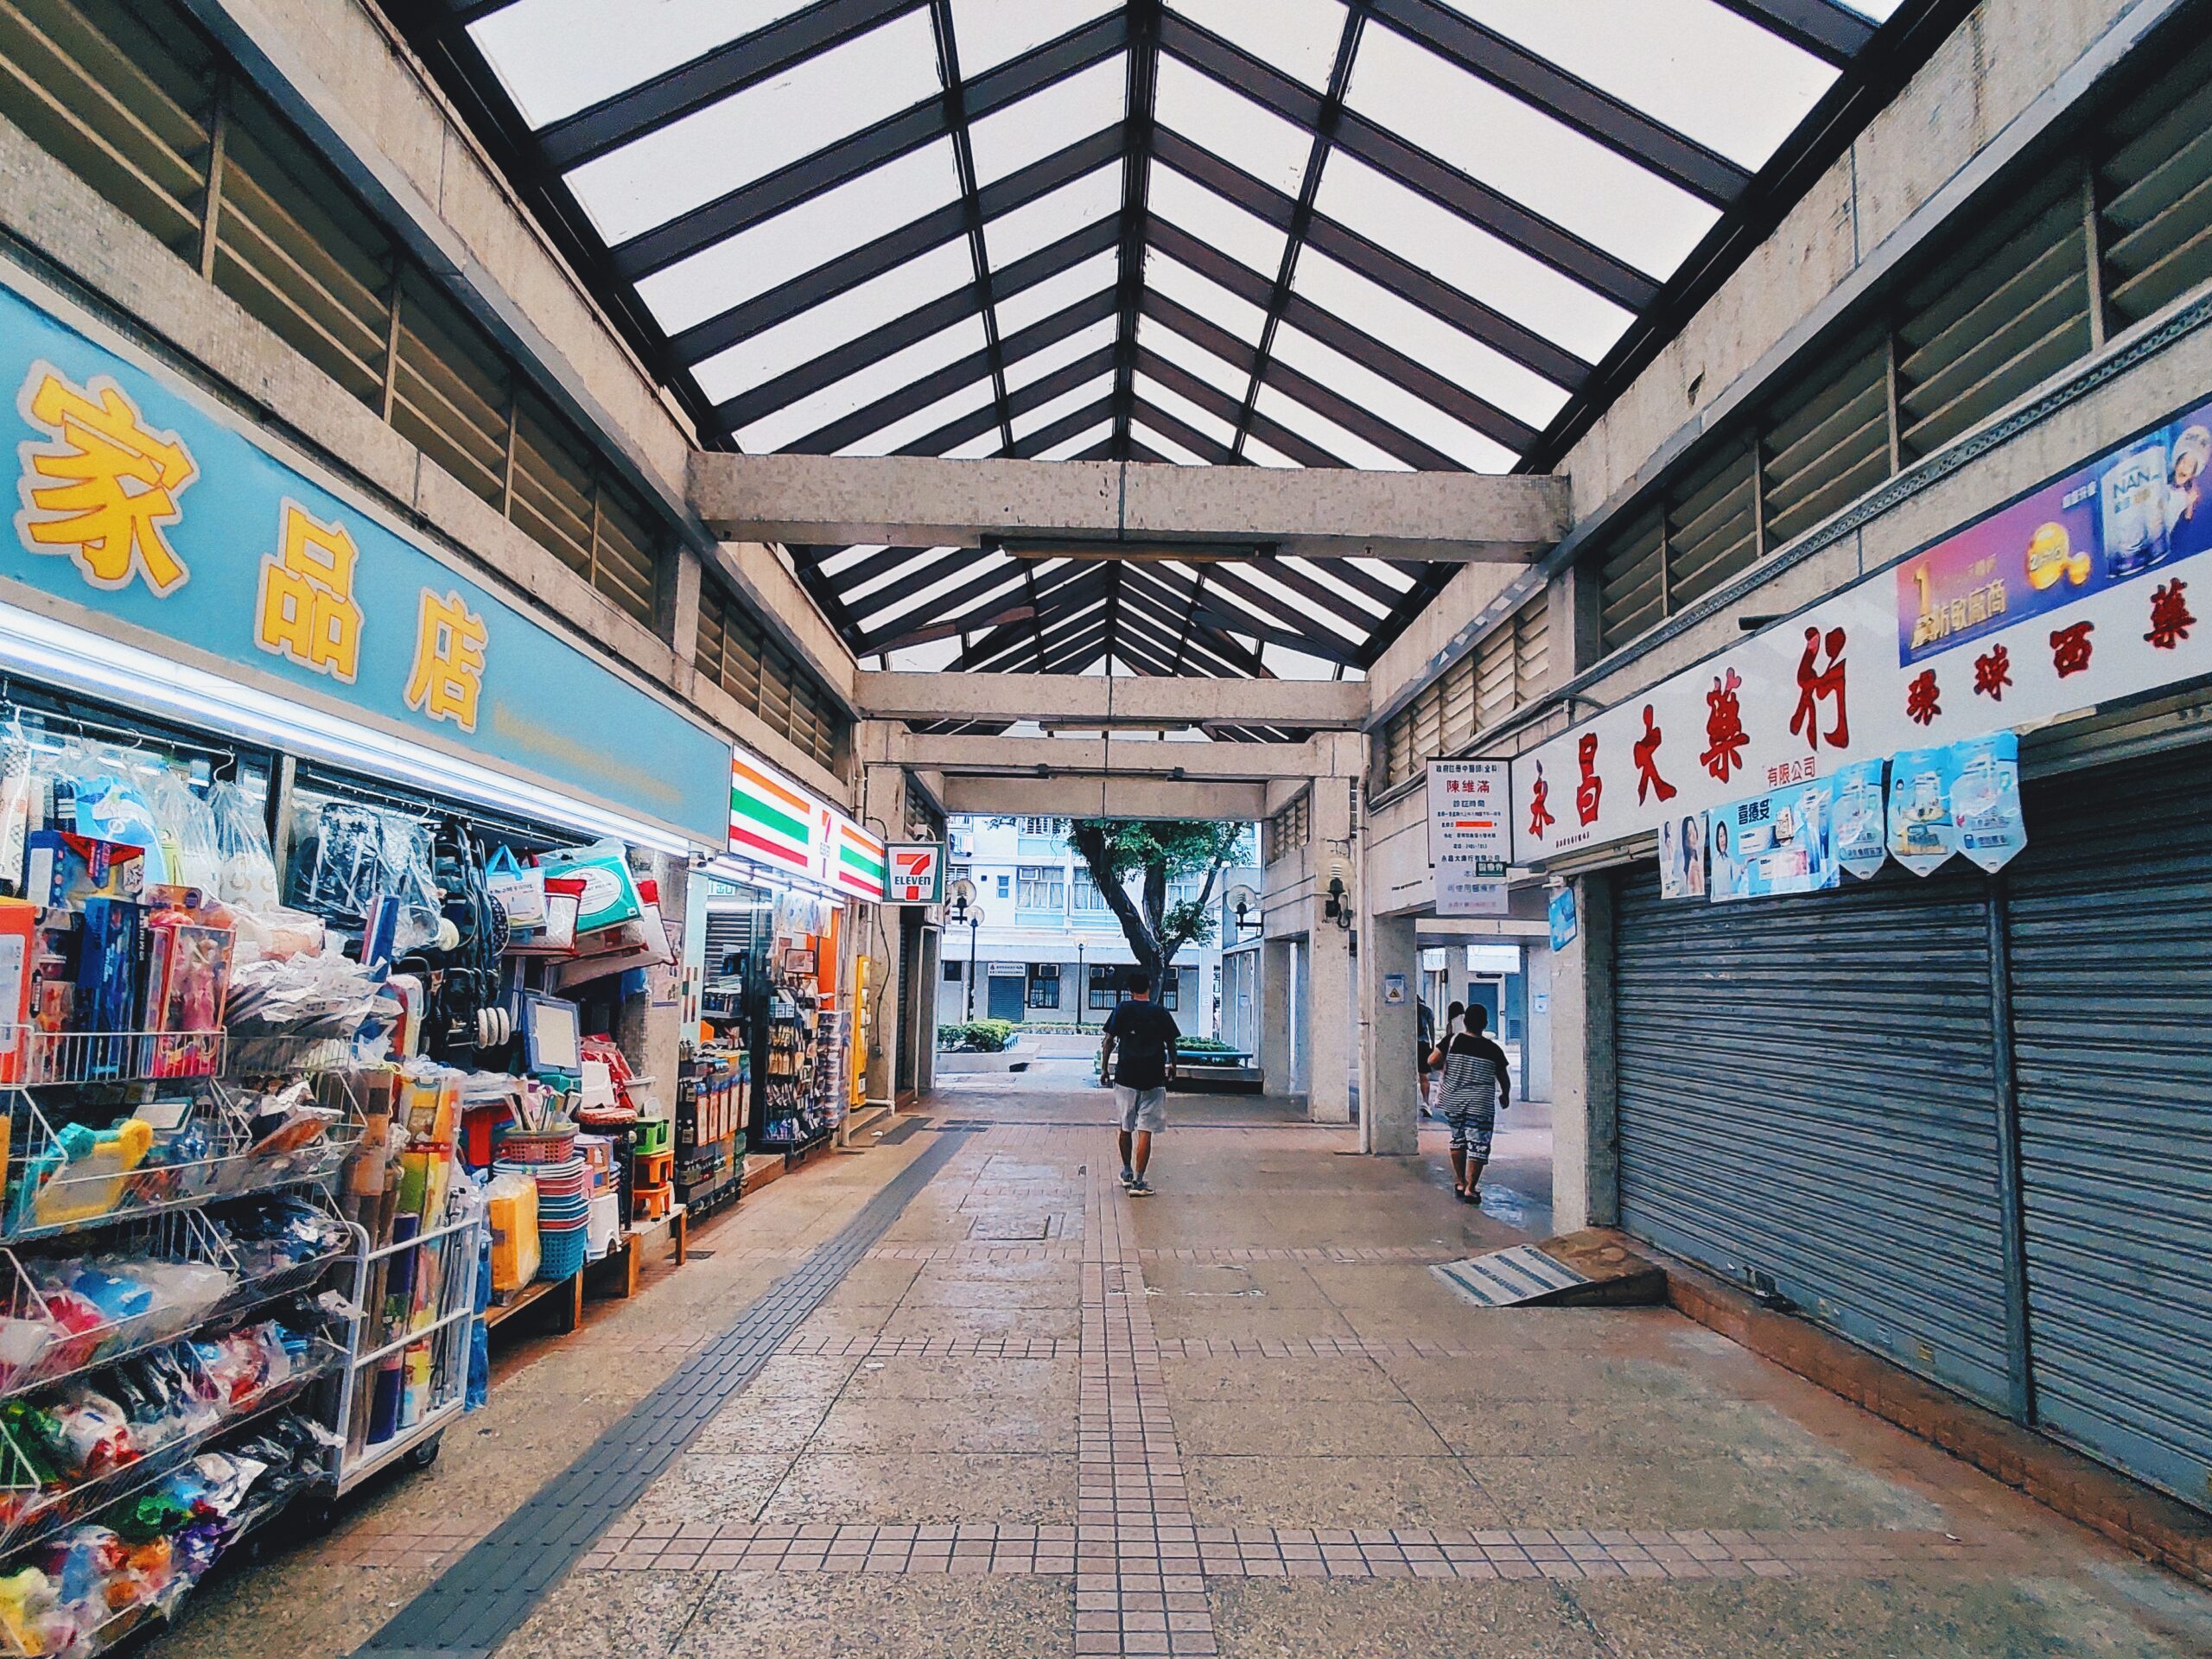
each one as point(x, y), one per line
point(1389, 1097)
point(1277, 1073)
point(1301, 998)
point(1585, 1151)
point(1332, 1021)
point(676, 608)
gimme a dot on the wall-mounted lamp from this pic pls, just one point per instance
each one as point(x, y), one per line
point(1337, 907)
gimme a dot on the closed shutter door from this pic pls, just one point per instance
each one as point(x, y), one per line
point(910, 997)
point(2110, 911)
point(1806, 1093)
point(729, 931)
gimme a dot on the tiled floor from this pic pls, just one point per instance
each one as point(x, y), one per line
point(1237, 1418)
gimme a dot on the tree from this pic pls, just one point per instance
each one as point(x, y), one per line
point(1159, 851)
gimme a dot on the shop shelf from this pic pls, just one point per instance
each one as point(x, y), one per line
point(50, 1193)
point(35, 1058)
point(30, 1512)
point(177, 1237)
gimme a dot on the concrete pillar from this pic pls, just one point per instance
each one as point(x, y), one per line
point(1278, 1075)
point(676, 613)
point(1332, 1021)
point(1301, 996)
point(1585, 1150)
point(1389, 1095)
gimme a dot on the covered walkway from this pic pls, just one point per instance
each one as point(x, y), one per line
point(1015, 1411)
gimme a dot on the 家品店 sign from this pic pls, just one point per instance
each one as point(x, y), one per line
point(1470, 842)
point(2082, 591)
point(917, 873)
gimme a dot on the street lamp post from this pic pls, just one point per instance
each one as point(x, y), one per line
point(1082, 985)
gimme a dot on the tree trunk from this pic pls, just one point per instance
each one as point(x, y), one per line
point(1136, 927)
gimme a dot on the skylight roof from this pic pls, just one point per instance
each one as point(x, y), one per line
point(1399, 233)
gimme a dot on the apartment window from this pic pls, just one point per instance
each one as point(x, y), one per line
point(1288, 830)
point(1044, 826)
point(1087, 898)
point(1110, 985)
point(962, 873)
point(2030, 279)
point(1044, 984)
point(131, 97)
point(1044, 886)
point(735, 653)
point(1006, 883)
point(955, 972)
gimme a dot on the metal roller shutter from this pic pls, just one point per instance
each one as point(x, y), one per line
point(2110, 913)
point(1806, 1092)
point(729, 931)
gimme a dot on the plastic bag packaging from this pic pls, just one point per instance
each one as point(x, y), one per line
point(188, 834)
point(247, 873)
point(112, 807)
point(350, 855)
point(277, 932)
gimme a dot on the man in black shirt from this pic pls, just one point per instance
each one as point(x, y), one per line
point(1145, 1035)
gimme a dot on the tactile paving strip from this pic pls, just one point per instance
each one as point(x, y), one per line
point(481, 1601)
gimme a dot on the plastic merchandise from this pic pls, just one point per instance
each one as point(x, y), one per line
point(277, 1003)
point(111, 808)
point(246, 874)
point(31, 1613)
point(277, 932)
point(512, 1209)
point(84, 1172)
point(188, 834)
point(277, 1233)
point(350, 855)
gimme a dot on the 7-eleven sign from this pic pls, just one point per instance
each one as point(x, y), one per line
point(917, 873)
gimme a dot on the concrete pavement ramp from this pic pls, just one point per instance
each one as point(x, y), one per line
point(1586, 1269)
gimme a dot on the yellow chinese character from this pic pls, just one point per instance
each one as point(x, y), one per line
point(102, 485)
point(448, 671)
point(308, 612)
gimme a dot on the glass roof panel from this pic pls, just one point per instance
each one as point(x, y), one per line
point(802, 237)
point(1323, 572)
point(1040, 300)
point(982, 445)
point(1061, 352)
point(879, 379)
point(929, 658)
point(1353, 451)
point(1265, 455)
point(1206, 296)
point(555, 57)
point(1158, 337)
point(1168, 401)
point(1691, 64)
point(1008, 140)
point(1231, 125)
point(1067, 448)
point(1878, 10)
point(749, 134)
point(964, 579)
point(1037, 419)
point(1216, 221)
point(988, 33)
point(759, 359)
point(1574, 182)
point(846, 557)
point(1288, 664)
point(1298, 37)
point(1059, 212)
point(1296, 603)
point(919, 560)
point(1427, 339)
point(1409, 414)
point(923, 422)
point(1471, 259)
point(1166, 448)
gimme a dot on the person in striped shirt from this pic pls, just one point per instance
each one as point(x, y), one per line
point(1476, 1084)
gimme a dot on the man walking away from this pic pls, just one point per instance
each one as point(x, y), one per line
point(1476, 1084)
point(1145, 1033)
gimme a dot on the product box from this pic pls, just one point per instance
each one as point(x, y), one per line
point(18, 949)
point(111, 977)
point(189, 977)
point(64, 869)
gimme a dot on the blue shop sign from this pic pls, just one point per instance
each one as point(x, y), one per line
point(138, 501)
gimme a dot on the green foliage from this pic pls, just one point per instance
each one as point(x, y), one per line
point(1158, 851)
point(1202, 1046)
point(975, 1037)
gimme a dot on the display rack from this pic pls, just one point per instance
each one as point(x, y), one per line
point(427, 1359)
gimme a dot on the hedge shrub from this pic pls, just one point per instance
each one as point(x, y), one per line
point(975, 1037)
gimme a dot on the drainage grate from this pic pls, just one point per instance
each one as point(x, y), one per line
point(477, 1603)
point(1502, 1278)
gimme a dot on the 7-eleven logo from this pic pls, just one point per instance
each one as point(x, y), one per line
point(914, 872)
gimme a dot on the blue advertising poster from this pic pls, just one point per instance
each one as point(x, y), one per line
point(1562, 919)
point(1985, 812)
point(2129, 514)
point(1861, 828)
point(1778, 843)
point(1922, 835)
point(140, 502)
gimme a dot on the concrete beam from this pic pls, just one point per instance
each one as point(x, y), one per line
point(1103, 700)
point(913, 501)
point(1067, 757)
point(1105, 798)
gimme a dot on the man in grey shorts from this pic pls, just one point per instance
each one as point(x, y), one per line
point(1145, 1034)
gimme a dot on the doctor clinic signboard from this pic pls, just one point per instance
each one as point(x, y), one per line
point(2084, 591)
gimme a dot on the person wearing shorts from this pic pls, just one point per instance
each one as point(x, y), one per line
point(1144, 1034)
point(1476, 1084)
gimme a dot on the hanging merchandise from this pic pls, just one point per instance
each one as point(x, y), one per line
point(610, 892)
point(1921, 834)
point(519, 892)
point(247, 871)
